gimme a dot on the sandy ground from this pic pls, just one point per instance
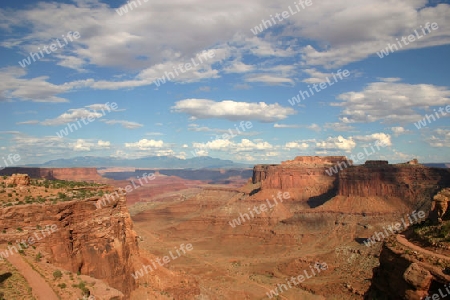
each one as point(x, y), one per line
point(40, 288)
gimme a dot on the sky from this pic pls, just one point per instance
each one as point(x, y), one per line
point(251, 81)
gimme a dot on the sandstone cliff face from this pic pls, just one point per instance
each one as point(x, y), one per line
point(96, 242)
point(405, 273)
point(75, 174)
point(18, 179)
point(306, 181)
point(306, 174)
point(409, 182)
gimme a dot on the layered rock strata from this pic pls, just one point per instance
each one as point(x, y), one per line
point(18, 179)
point(305, 174)
point(411, 183)
point(408, 272)
point(78, 237)
point(307, 177)
point(75, 174)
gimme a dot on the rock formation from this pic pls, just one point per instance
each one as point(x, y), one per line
point(376, 163)
point(439, 206)
point(407, 272)
point(18, 179)
point(75, 174)
point(411, 183)
point(100, 243)
point(306, 177)
point(413, 162)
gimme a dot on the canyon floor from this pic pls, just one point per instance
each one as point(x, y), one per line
point(250, 260)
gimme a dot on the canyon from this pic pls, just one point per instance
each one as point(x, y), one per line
point(325, 219)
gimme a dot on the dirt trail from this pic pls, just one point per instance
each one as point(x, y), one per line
point(41, 289)
point(402, 240)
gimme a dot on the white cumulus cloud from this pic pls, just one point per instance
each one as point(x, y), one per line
point(232, 110)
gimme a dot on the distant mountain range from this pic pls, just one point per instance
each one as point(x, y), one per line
point(163, 162)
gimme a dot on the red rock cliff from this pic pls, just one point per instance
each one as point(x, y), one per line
point(100, 243)
point(305, 174)
point(407, 273)
point(408, 182)
point(75, 174)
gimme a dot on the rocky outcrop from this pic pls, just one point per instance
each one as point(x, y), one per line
point(309, 177)
point(439, 206)
point(77, 236)
point(306, 181)
point(304, 176)
point(18, 179)
point(75, 174)
point(413, 162)
point(376, 163)
point(411, 183)
point(407, 273)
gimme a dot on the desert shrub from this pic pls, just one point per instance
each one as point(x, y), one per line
point(62, 285)
point(57, 274)
point(38, 256)
point(82, 286)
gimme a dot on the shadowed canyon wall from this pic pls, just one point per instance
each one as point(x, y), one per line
point(409, 182)
point(406, 274)
point(307, 175)
point(100, 242)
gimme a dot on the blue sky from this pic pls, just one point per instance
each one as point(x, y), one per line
point(113, 56)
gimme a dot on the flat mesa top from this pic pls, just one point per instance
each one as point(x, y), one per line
point(315, 160)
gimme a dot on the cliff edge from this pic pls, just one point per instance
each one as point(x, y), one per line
point(77, 236)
